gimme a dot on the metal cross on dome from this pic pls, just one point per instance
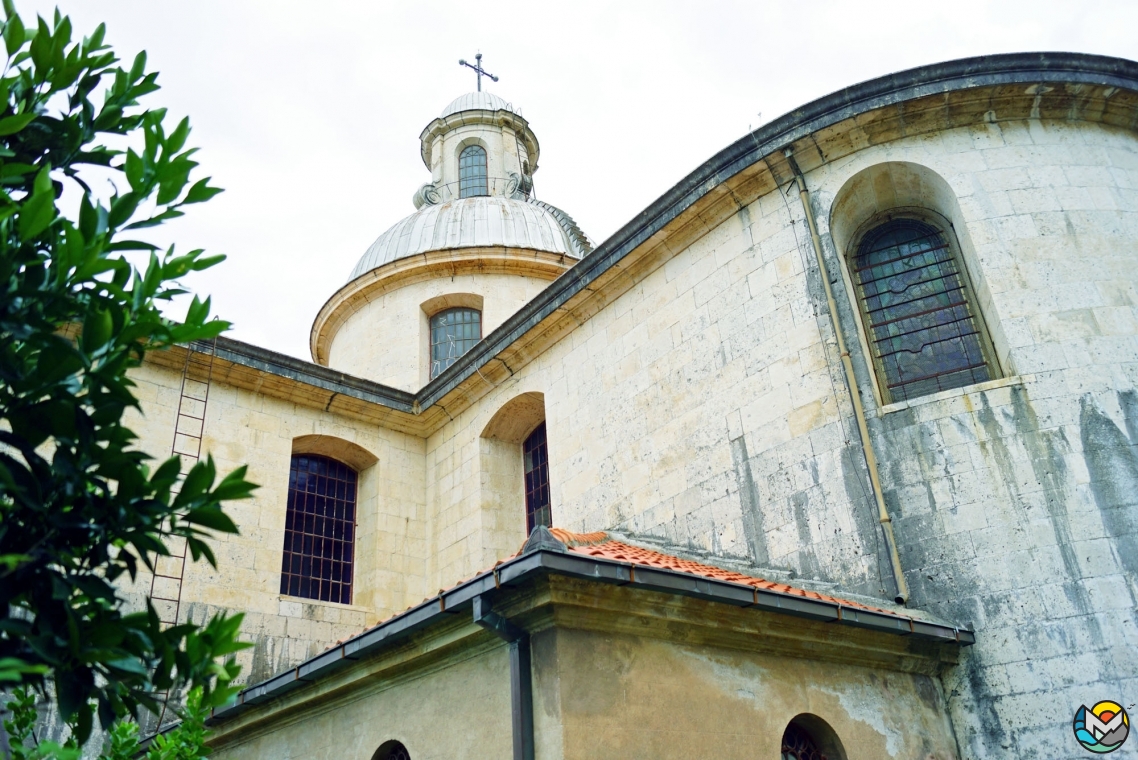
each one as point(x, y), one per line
point(477, 66)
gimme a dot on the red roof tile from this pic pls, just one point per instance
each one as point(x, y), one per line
point(600, 545)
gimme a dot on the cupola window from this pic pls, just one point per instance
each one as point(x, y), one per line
point(798, 744)
point(320, 526)
point(453, 333)
point(472, 172)
point(919, 311)
point(535, 457)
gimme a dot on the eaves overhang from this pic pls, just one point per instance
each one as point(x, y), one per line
point(536, 564)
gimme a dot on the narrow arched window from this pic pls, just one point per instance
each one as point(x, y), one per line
point(320, 527)
point(798, 744)
point(535, 459)
point(472, 172)
point(453, 333)
point(919, 312)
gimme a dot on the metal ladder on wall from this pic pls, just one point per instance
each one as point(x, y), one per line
point(189, 429)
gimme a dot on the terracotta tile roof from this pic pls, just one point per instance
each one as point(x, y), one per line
point(600, 545)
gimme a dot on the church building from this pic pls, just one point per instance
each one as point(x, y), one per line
point(830, 452)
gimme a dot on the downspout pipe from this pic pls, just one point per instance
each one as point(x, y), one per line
point(902, 588)
point(521, 675)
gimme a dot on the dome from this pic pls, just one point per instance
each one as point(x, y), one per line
point(476, 101)
point(484, 221)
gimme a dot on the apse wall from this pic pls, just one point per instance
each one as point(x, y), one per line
point(706, 406)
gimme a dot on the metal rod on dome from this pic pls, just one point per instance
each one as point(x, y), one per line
point(477, 66)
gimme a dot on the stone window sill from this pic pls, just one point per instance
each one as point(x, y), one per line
point(301, 600)
point(991, 385)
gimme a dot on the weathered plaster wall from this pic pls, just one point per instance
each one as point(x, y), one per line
point(458, 710)
point(624, 696)
point(387, 339)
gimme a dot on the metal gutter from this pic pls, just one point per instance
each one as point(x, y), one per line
point(541, 562)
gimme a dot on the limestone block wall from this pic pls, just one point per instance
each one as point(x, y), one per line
point(706, 406)
point(386, 340)
point(243, 427)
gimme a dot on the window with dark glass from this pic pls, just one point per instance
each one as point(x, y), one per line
point(798, 744)
point(535, 454)
point(472, 172)
point(453, 333)
point(320, 526)
point(392, 750)
point(918, 311)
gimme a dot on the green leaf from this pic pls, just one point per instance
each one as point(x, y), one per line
point(14, 34)
point(36, 214)
point(13, 124)
point(201, 191)
point(96, 331)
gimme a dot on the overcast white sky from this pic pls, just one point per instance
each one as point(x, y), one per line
point(309, 113)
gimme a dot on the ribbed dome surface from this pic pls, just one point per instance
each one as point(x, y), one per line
point(468, 223)
point(471, 101)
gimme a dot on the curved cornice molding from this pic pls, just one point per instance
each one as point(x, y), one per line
point(426, 266)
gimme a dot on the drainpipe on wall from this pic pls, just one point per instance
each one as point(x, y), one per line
point(902, 587)
point(521, 678)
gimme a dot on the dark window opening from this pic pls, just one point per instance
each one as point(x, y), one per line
point(453, 333)
point(392, 750)
point(798, 744)
point(320, 525)
point(914, 298)
point(472, 172)
point(535, 453)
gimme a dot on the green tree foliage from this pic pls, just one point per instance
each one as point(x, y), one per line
point(186, 741)
point(80, 508)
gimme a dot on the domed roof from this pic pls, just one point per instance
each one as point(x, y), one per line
point(484, 221)
point(474, 101)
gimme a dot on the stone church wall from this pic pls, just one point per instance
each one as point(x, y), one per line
point(249, 428)
point(706, 406)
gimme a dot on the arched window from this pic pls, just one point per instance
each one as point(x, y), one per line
point(320, 527)
point(798, 744)
point(535, 460)
point(453, 333)
point(472, 172)
point(919, 312)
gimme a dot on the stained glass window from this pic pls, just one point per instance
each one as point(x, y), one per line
point(453, 333)
point(915, 303)
point(472, 172)
point(320, 526)
point(798, 744)
point(535, 453)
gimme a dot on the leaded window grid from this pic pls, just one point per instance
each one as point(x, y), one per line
point(935, 312)
point(453, 333)
point(320, 526)
point(472, 173)
point(798, 744)
point(535, 459)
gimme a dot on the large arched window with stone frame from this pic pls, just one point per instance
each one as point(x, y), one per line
point(472, 173)
point(320, 527)
point(918, 309)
